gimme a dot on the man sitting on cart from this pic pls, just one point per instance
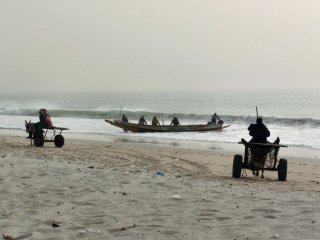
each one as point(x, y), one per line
point(44, 122)
point(259, 132)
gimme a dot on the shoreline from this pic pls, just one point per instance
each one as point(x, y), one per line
point(291, 152)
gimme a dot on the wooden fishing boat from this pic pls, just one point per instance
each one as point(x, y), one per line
point(133, 127)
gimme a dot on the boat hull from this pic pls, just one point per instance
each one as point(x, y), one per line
point(132, 127)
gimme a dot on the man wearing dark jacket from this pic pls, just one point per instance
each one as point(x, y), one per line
point(175, 122)
point(259, 132)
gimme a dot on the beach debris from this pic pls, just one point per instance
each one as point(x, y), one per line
point(276, 235)
point(90, 230)
point(176, 196)
point(160, 173)
point(7, 237)
point(124, 228)
point(54, 225)
point(92, 167)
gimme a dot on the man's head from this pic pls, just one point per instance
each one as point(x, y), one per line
point(259, 120)
point(43, 111)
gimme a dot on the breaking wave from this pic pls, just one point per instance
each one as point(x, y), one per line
point(134, 115)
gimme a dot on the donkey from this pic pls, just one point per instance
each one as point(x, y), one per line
point(258, 159)
point(29, 129)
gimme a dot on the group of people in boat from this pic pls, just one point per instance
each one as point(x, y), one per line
point(154, 121)
point(215, 119)
point(258, 131)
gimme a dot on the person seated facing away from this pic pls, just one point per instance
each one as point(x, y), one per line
point(44, 122)
point(142, 121)
point(259, 132)
point(155, 121)
point(175, 122)
point(214, 118)
point(124, 118)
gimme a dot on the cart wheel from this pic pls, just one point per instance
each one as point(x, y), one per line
point(282, 169)
point(38, 139)
point(59, 141)
point(237, 166)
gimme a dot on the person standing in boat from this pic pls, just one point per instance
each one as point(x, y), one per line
point(175, 122)
point(155, 121)
point(215, 118)
point(124, 118)
point(142, 121)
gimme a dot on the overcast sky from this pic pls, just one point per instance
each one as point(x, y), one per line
point(90, 45)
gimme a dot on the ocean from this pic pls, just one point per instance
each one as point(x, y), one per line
point(293, 116)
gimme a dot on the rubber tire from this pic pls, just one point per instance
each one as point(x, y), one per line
point(237, 166)
point(38, 139)
point(59, 141)
point(282, 169)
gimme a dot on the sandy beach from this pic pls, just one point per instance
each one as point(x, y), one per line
point(143, 190)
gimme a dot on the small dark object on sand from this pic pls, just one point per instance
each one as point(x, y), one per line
point(55, 225)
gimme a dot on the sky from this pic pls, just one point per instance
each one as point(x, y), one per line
point(158, 45)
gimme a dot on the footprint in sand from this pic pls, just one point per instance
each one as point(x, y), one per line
point(222, 218)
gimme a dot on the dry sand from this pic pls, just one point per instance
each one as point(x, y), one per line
point(110, 190)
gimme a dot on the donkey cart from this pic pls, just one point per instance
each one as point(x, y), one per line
point(39, 138)
point(260, 156)
point(49, 134)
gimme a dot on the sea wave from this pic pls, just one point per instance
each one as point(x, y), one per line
point(191, 118)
